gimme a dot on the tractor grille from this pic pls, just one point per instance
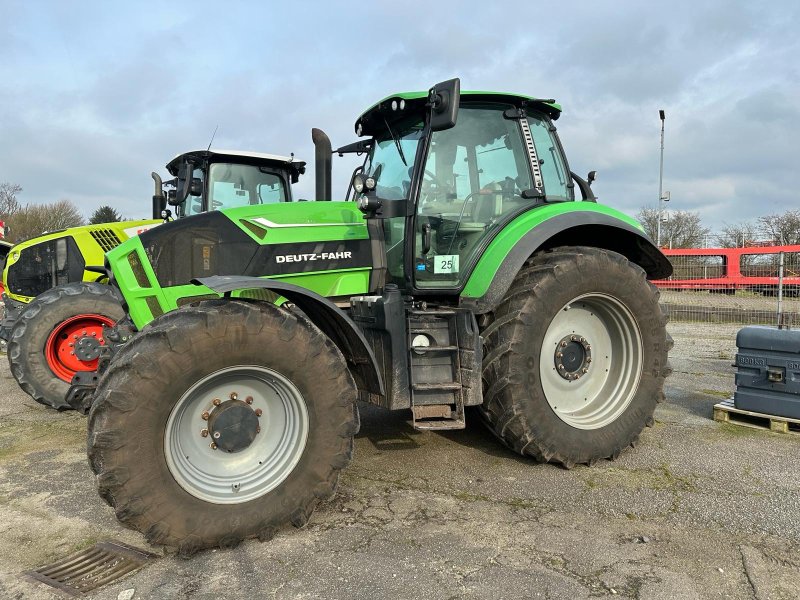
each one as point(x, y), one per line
point(106, 238)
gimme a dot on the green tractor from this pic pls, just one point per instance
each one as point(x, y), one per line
point(465, 273)
point(60, 332)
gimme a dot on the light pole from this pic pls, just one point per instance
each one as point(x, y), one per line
point(660, 180)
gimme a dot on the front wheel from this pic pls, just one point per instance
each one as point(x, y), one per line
point(575, 357)
point(221, 422)
point(59, 333)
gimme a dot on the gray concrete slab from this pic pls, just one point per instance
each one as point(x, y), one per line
point(698, 509)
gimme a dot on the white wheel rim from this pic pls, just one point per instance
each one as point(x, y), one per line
point(220, 477)
point(597, 392)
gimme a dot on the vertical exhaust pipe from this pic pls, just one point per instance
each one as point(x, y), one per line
point(159, 201)
point(322, 164)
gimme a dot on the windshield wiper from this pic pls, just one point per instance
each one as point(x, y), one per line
point(396, 142)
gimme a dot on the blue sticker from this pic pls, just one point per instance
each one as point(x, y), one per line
point(421, 267)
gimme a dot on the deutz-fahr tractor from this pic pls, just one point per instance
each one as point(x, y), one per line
point(61, 331)
point(466, 273)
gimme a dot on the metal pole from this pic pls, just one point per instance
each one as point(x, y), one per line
point(660, 180)
point(780, 290)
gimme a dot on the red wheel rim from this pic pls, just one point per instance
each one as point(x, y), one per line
point(60, 346)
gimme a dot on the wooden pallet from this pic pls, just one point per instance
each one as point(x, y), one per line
point(726, 412)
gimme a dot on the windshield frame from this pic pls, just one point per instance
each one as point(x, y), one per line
point(402, 128)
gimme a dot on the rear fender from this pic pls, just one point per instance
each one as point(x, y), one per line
point(493, 275)
point(330, 319)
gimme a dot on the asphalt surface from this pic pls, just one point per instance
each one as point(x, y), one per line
point(698, 509)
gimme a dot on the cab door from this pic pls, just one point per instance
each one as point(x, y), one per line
point(474, 178)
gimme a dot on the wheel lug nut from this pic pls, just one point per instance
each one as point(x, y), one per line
point(204, 432)
point(213, 446)
point(258, 429)
point(563, 344)
point(585, 370)
point(216, 402)
point(234, 396)
point(216, 435)
point(559, 355)
point(258, 412)
point(588, 360)
point(249, 399)
point(205, 415)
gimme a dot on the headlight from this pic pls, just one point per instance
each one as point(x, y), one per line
point(358, 184)
point(369, 183)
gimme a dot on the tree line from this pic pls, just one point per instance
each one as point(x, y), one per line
point(24, 221)
point(684, 229)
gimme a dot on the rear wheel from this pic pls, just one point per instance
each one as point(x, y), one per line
point(58, 333)
point(221, 422)
point(575, 357)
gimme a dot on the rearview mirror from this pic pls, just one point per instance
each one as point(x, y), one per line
point(443, 99)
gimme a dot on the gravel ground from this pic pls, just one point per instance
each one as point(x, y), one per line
point(698, 509)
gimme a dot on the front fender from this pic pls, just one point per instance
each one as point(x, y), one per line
point(568, 224)
point(331, 320)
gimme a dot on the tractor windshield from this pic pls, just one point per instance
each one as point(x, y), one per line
point(390, 167)
point(232, 185)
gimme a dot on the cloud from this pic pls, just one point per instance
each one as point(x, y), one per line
point(95, 99)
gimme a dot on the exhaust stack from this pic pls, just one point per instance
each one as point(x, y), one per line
point(159, 201)
point(322, 164)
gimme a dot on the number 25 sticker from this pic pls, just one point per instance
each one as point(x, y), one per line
point(445, 263)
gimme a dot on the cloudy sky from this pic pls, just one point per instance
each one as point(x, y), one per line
point(95, 95)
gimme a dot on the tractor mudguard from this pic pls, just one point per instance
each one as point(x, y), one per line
point(574, 228)
point(330, 319)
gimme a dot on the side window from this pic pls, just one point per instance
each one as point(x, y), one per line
point(554, 172)
point(474, 176)
point(193, 204)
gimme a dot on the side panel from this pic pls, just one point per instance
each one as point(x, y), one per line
point(322, 247)
point(574, 224)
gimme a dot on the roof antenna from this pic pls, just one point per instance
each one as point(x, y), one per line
point(212, 137)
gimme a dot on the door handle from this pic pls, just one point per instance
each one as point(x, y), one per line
point(426, 238)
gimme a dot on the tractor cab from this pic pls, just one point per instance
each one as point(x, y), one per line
point(206, 180)
point(445, 170)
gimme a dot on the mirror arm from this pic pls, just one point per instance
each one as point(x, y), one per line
point(587, 195)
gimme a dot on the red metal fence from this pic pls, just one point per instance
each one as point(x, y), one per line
point(732, 268)
point(749, 277)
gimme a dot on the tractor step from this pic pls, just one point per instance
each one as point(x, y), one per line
point(435, 371)
point(432, 387)
point(437, 416)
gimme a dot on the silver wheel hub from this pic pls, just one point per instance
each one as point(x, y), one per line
point(573, 356)
point(225, 450)
point(591, 361)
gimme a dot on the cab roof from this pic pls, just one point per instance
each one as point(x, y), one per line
point(240, 156)
point(418, 99)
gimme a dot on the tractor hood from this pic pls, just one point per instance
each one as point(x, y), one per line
point(317, 244)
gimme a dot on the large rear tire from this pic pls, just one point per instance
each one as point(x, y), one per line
point(575, 357)
point(54, 331)
point(290, 405)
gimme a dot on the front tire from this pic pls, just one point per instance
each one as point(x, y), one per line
point(575, 357)
point(162, 403)
point(54, 331)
